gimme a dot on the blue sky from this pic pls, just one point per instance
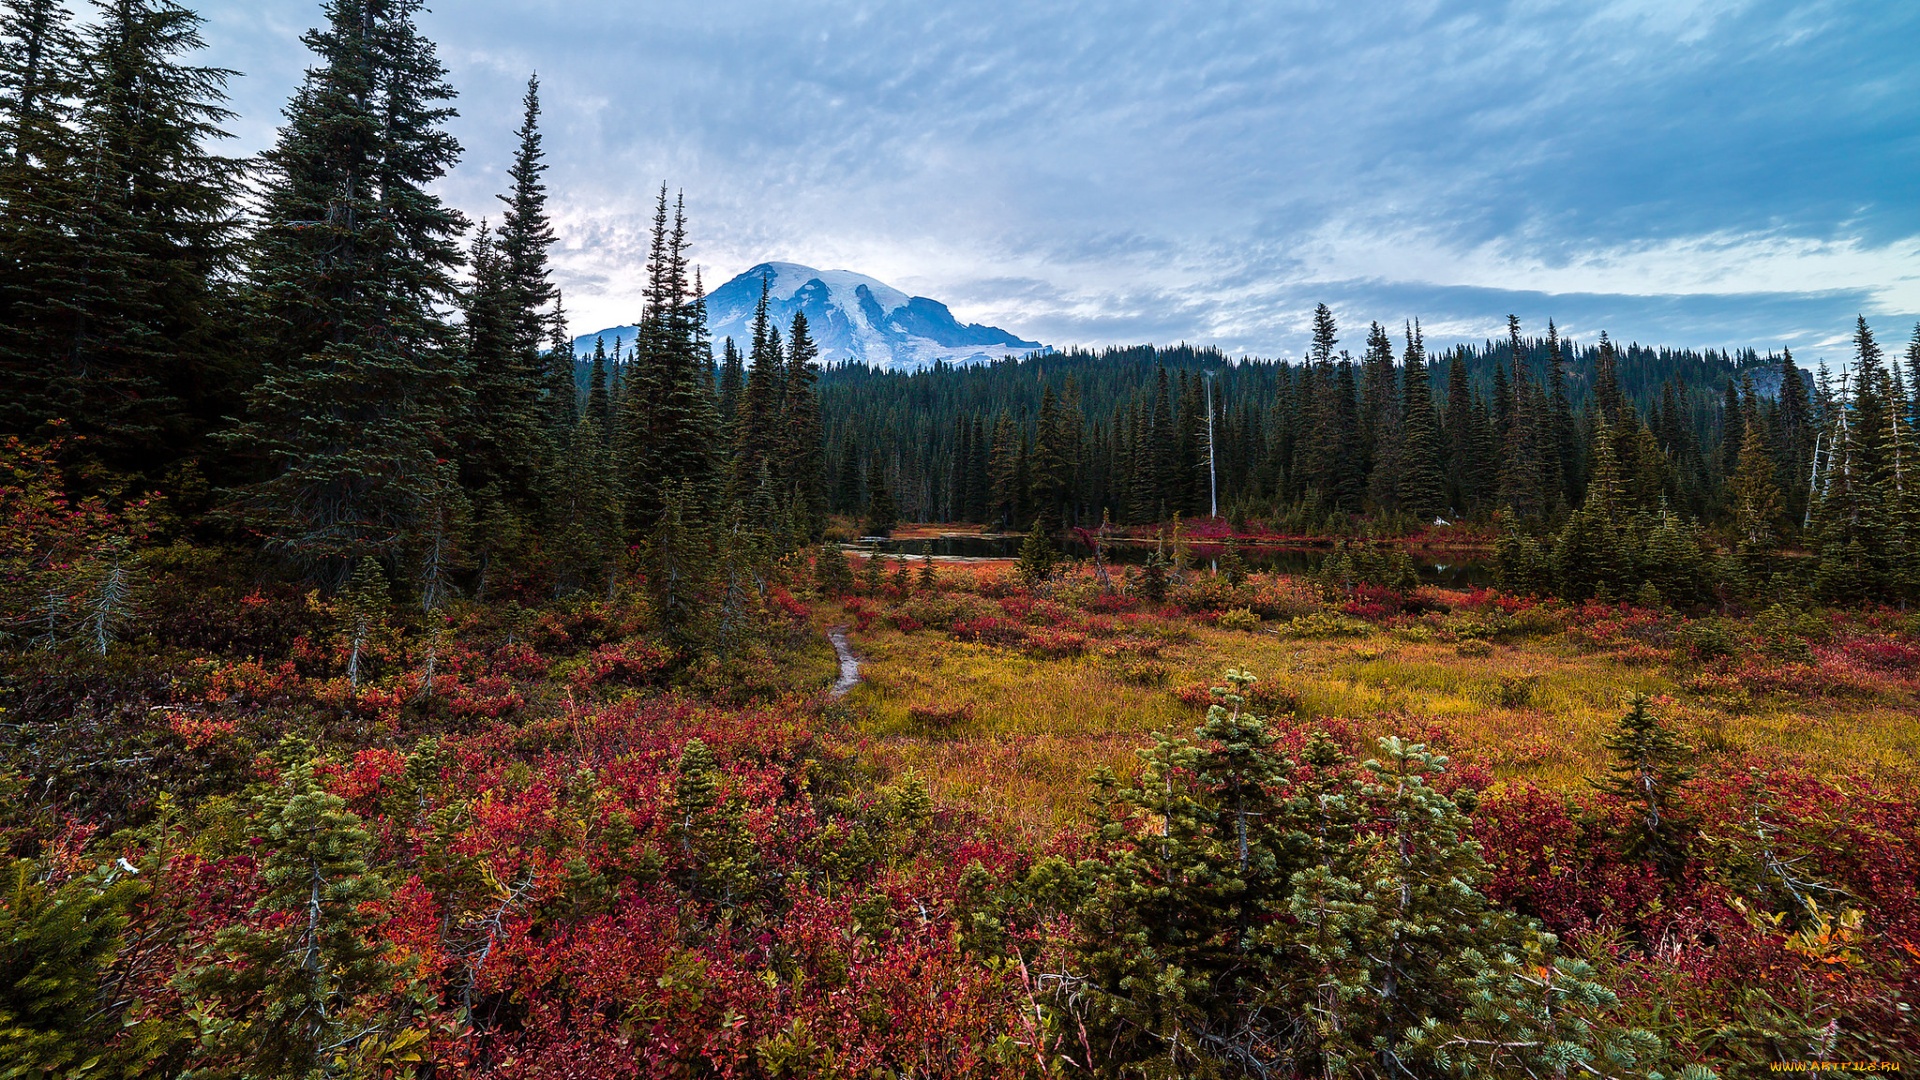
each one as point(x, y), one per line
point(1704, 173)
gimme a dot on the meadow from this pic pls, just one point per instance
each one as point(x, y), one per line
point(1023, 693)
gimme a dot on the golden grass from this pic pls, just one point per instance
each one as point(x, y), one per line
point(1038, 728)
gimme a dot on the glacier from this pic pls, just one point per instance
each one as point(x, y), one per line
point(852, 317)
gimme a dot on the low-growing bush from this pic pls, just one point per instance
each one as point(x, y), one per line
point(1241, 619)
point(1323, 625)
point(1143, 673)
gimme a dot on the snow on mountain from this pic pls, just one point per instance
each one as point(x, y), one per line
point(851, 317)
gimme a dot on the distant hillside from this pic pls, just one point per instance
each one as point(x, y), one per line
point(852, 317)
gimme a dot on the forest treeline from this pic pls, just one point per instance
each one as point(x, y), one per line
point(1756, 449)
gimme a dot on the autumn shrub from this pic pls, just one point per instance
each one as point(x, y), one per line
point(629, 663)
point(1054, 644)
point(1142, 672)
point(990, 630)
point(1321, 625)
point(1240, 619)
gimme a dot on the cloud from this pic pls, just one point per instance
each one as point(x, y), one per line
point(1692, 172)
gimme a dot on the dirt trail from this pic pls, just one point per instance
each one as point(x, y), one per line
point(849, 664)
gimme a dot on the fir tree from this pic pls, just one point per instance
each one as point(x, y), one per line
point(669, 421)
point(733, 385)
point(760, 405)
point(1036, 555)
point(1650, 765)
point(352, 262)
point(57, 947)
point(128, 315)
point(526, 233)
point(802, 455)
point(882, 515)
point(41, 193)
point(304, 989)
point(1422, 487)
point(562, 392)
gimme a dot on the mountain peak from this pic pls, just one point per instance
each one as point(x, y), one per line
point(851, 317)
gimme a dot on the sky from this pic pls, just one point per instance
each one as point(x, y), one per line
point(1692, 173)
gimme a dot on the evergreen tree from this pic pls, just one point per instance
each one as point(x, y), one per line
point(304, 985)
point(1793, 440)
point(1751, 490)
point(500, 438)
point(802, 455)
point(1036, 555)
point(1004, 471)
point(57, 947)
point(1166, 471)
point(1051, 467)
point(1421, 485)
point(41, 193)
point(1521, 463)
point(669, 423)
point(526, 233)
point(352, 263)
point(733, 386)
point(123, 317)
point(1465, 467)
point(1562, 461)
point(562, 391)
point(677, 560)
point(760, 405)
point(1850, 521)
point(1606, 381)
point(979, 474)
point(1649, 766)
point(882, 515)
point(1267, 917)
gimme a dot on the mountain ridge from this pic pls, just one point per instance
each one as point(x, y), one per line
point(852, 317)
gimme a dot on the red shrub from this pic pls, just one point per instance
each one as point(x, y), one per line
point(990, 630)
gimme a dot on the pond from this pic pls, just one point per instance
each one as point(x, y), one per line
point(1452, 569)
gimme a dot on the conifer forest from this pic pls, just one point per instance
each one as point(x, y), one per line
point(386, 691)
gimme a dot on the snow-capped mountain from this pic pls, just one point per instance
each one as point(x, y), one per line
point(851, 317)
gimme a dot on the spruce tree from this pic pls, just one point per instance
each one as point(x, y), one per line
point(526, 233)
point(41, 192)
point(126, 318)
point(352, 264)
point(802, 457)
point(1650, 765)
point(1422, 486)
point(733, 385)
point(58, 945)
point(305, 983)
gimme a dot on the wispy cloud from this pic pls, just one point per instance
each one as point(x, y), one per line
point(1713, 172)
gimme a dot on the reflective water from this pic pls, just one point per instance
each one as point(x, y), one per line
point(1459, 570)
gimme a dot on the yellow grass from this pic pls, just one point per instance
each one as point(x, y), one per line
point(1038, 728)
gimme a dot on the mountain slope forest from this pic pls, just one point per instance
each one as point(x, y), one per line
point(381, 698)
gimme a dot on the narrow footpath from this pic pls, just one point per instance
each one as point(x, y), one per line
point(849, 664)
